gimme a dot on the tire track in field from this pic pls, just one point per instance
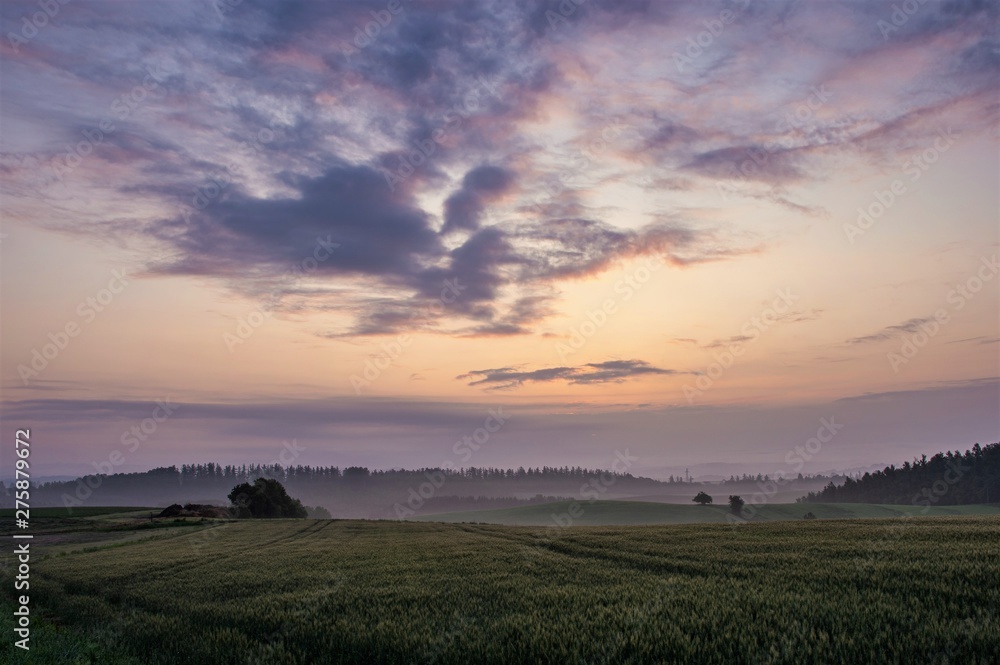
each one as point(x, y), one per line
point(188, 565)
point(572, 546)
point(189, 562)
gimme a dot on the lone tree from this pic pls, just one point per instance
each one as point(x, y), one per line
point(702, 498)
point(736, 504)
point(266, 497)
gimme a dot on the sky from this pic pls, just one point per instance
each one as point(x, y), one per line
point(761, 234)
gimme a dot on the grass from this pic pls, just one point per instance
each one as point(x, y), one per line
point(57, 533)
point(626, 513)
point(8, 513)
point(320, 591)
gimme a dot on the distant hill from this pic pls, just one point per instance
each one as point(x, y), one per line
point(363, 493)
point(347, 492)
point(946, 479)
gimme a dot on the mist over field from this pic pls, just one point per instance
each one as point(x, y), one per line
point(358, 493)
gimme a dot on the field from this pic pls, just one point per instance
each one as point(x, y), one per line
point(628, 513)
point(921, 590)
point(84, 511)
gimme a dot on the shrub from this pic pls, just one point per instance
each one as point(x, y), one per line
point(702, 498)
point(266, 497)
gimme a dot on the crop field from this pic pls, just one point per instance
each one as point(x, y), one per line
point(85, 511)
point(917, 590)
point(626, 513)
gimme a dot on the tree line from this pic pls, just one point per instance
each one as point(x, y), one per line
point(353, 490)
point(946, 479)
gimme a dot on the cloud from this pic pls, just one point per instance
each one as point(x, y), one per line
point(767, 164)
point(792, 316)
point(892, 332)
point(463, 209)
point(377, 231)
point(719, 343)
point(798, 317)
point(982, 340)
point(611, 371)
point(494, 108)
point(349, 223)
point(516, 320)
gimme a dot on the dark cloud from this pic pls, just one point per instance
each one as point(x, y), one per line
point(463, 209)
point(768, 164)
point(378, 231)
point(612, 371)
point(982, 59)
point(516, 320)
point(348, 222)
point(668, 136)
point(934, 18)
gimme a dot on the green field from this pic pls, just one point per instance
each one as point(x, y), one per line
point(628, 513)
point(921, 590)
point(84, 511)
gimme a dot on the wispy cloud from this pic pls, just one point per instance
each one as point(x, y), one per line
point(611, 371)
point(892, 332)
point(982, 339)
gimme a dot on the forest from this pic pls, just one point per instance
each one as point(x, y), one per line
point(946, 479)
